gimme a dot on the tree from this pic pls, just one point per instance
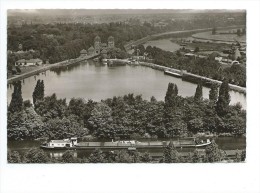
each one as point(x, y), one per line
point(38, 93)
point(195, 125)
point(213, 93)
point(243, 155)
point(100, 121)
point(123, 157)
point(96, 156)
point(68, 157)
point(51, 107)
point(171, 93)
point(13, 157)
point(198, 93)
point(170, 154)
point(16, 104)
point(238, 32)
point(196, 156)
point(146, 158)
point(35, 156)
point(213, 153)
point(197, 49)
point(223, 99)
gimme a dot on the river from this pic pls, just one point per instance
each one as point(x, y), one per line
point(224, 143)
point(90, 80)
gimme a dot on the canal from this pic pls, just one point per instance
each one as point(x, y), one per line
point(224, 143)
point(90, 80)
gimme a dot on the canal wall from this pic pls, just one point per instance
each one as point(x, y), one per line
point(48, 67)
point(186, 76)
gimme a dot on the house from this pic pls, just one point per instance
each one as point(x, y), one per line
point(31, 62)
point(218, 58)
point(91, 50)
point(237, 54)
point(104, 53)
point(83, 53)
point(111, 42)
point(189, 55)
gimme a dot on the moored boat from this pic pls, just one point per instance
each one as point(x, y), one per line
point(130, 145)
point(172, 73)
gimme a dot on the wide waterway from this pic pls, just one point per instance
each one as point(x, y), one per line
point(224, 143)
point(90, 80)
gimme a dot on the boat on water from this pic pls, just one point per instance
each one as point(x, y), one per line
point(168, 72)
point(72, 143)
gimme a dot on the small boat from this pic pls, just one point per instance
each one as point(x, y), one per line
point(168, 72)
point(60, 144)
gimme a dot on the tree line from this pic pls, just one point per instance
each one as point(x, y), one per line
point(125, 117)
point(207, 67)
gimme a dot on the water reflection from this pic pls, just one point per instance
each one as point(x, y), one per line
point(96, 81)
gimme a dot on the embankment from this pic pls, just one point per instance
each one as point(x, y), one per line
point(186, 76)
point(48, 67)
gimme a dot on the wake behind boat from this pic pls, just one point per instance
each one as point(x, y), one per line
point(130, 145)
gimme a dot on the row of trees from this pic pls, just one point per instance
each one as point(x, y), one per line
point(124, 117)
point(207, 67)
point(170, 155)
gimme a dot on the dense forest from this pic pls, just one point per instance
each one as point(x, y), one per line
point(125, 117)
point(60, 41)
point(207, 67)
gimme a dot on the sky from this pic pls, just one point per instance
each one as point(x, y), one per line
point(107, 11)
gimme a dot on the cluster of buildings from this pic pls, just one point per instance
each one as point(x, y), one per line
point(99, 47)
point(233, 58)
point(30, 62)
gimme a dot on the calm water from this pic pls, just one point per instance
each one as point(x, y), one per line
point(89, 80)
point(164, 44)
point(224, 143)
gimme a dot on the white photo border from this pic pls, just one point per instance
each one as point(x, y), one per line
point(138, 178)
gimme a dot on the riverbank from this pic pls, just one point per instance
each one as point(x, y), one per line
point(159, 35)
point(48, 67)
point(186, 76)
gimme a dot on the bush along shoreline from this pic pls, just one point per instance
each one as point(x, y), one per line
point(125, 117)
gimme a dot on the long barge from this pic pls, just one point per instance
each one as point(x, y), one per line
point(175, 74)
point(72, 143)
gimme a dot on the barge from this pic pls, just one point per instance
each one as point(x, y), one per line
point(168, 72)
point(129, 145)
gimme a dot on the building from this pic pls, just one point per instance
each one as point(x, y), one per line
point(104, 53)
point(97, 44)
point(91, 51)
point(111, 42)
point(31, 62)
point(237, 54)
point(83, 53)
